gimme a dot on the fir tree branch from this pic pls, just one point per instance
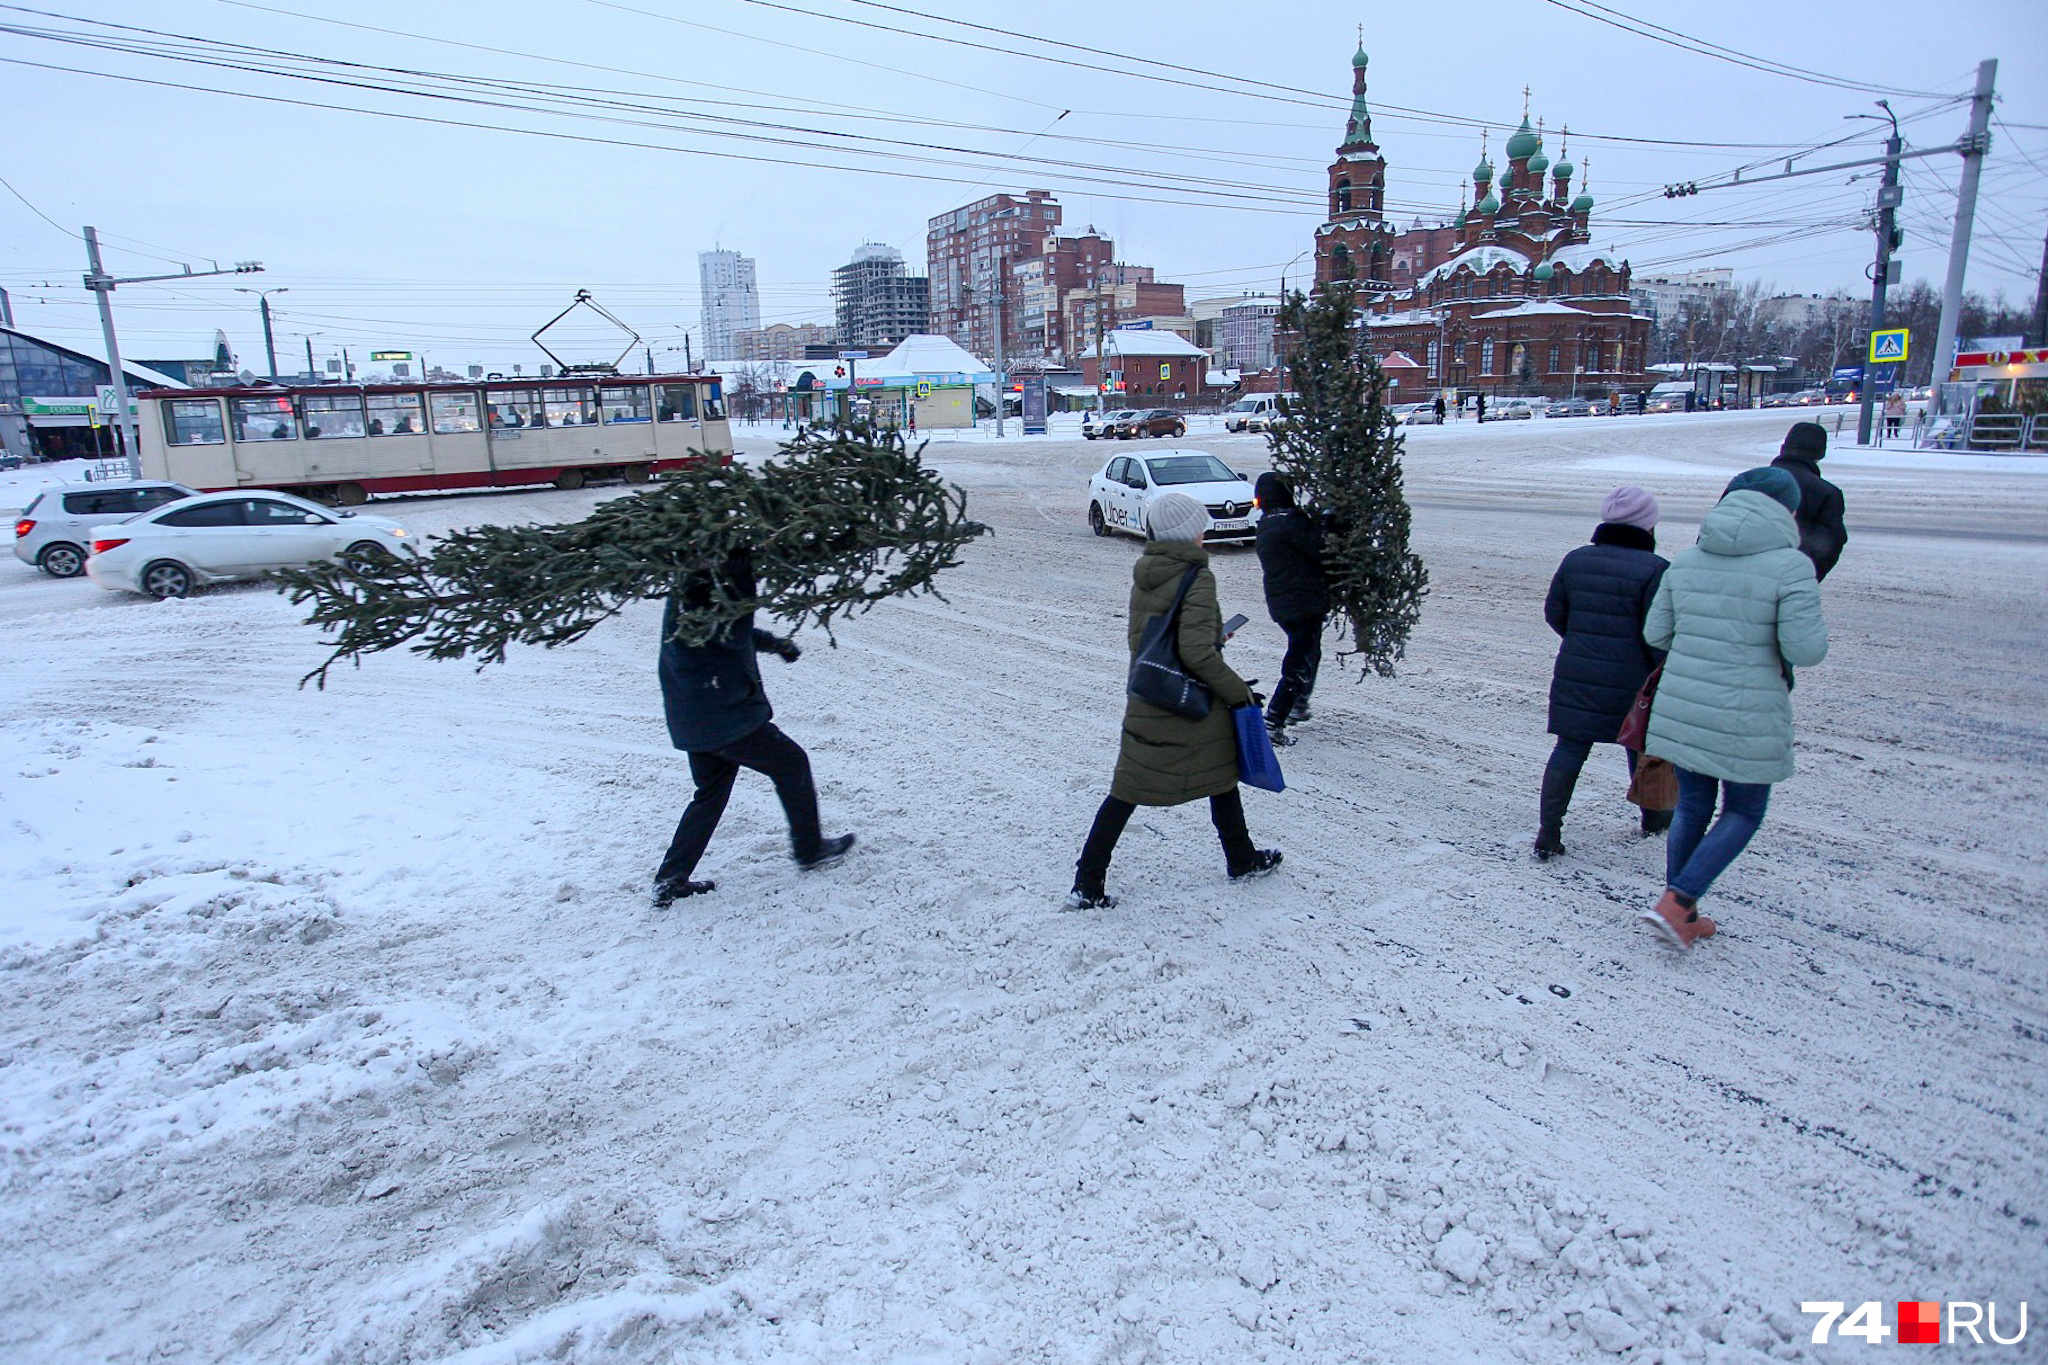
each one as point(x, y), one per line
point(842, 519)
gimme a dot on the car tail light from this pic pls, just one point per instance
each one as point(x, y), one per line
point(23, 527)
point(100, 547)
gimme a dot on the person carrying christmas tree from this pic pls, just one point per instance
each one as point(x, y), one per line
point(718, 713)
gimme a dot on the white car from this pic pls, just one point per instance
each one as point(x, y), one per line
point(1119, 494)
point(1104, 424)
point(1415, 414)
point(215, 537)
point(54, 532)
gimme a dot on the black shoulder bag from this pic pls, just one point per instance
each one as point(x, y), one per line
point(1156, 673)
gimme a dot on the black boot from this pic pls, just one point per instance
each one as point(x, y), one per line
point(829, 852)
point(1264, 860)
point(1549, 844)
point(669, 892)
point(1655, 822)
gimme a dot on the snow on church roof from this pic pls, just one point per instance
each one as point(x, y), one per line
point(922, 353)
point(1144, 341)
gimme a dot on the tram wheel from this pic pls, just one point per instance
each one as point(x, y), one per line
point(569, 479)
point(350, 494)
point(638, 473)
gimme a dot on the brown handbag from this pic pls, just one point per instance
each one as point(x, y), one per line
point(1635, 726)
point(1654, 785)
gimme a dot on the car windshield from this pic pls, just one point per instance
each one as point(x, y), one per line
point(1243, 405)
point(1190, 469)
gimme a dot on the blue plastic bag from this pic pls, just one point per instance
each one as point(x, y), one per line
point(1257, 764)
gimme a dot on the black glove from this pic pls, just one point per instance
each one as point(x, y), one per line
point(1258, 697)
point(785, 649)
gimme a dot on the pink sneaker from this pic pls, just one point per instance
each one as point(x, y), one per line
point(1677, 925)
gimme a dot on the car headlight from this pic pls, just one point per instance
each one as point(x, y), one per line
point(399, 531)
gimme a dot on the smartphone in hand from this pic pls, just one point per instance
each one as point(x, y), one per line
point(1234, 624)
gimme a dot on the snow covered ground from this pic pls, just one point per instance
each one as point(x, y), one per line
point(334, 1026)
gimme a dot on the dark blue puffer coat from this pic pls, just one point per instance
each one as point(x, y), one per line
point(1598, 600)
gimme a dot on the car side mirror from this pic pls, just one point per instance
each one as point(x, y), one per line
point(344, 514)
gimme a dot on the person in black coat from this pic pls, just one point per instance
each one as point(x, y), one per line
point(718, 713)
point(1598, 599)
point(1290, 547)
point(1821, 532)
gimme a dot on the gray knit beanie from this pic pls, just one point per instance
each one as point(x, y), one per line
point(1630, 506)
point(1176, 516)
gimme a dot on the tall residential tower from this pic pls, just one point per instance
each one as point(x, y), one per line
point(731, 302)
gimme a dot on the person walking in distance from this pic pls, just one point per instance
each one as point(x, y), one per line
point(718, 713)
point(1439, 409)
point(1482, 407)
point(1821, 532)
point(1598, 601)
point(1290, 545)
point(1894, 412)
point(1166, 759)
point(1736, 614)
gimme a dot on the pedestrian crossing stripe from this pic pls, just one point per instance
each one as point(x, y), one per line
point(1888, 347)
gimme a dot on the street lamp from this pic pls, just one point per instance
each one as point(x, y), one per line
point(269, 343)
point(1289, 266)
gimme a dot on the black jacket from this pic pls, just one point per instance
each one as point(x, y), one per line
point(1821, 533)
point(1598, 599)
point(711, 693)
point(1291, 554)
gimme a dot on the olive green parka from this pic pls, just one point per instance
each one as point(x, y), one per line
point(1167, 759)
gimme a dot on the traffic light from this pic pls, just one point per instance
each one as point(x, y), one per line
point(1680, 191)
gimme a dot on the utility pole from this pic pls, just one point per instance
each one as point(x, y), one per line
point(1888, 196)
point(269, 345)
point(311, 376)
point(102, 286)
point(1101, 356)
point(1975, 144)
point(1002, 379)
point(2040, 331)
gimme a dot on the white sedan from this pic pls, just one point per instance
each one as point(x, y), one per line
point(216, 537)
point(1120, 492)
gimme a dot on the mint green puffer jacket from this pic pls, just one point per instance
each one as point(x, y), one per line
point(1736, 613)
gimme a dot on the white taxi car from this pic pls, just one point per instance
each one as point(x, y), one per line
point(1120, 492)
point(216, 537)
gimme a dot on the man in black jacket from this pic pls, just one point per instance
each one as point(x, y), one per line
point(1821, 533)
point(1297, 597)
point(718, 712)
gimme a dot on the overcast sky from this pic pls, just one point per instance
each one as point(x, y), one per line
point(654, 129)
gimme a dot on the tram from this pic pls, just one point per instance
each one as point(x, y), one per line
point(342, 443)
point(1994, 401)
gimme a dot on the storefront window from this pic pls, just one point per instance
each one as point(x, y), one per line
point(626, 405)
point(396, 414)
point(264, 419)
point(193, 422)
point(568, 407)
point(454, 412)
point(330, 415)
point(678, 402)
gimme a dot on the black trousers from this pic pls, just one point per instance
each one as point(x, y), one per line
point(766, 751)
point(1561, 778)
point(1226, 812)
point(1297, 668)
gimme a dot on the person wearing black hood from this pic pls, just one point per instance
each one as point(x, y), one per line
point(1597, 602)
point(718, 713)
point(1290, 547)
point(1821, 533)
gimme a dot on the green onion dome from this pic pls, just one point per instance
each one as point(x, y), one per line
point(1538, 164)
point(1563, 170)
point(1583, 204)
point(1483, 172)
point(1524, 142)
point(1544, 271)
point(1359, 59)
point(1488, 206)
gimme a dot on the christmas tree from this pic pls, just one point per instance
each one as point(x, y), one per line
point(842, 518)
point(1341, 449)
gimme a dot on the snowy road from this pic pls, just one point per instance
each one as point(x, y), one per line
point(334, 1026)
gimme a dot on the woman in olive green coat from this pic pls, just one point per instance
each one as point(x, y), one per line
point(1166, 760)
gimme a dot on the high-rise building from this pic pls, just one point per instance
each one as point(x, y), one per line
point(732, 303)
point(782, 341)
point(970, 251)
point(876, 299)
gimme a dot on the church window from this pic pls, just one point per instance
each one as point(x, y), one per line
point(1434, 357)
point(1486, 356)
point(1340, 260)
point(1553, 359)
point(1341, 202)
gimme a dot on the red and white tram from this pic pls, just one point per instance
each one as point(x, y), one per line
point(341, 443)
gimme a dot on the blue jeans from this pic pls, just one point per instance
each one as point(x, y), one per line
point(1695, 854)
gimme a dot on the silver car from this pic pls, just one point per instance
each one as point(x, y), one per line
point(52, 532)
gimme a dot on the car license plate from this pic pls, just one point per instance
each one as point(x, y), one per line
point(1238, 524)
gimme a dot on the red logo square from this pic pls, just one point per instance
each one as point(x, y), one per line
point(1919, 1322)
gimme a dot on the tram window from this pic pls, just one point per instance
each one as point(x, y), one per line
point(625, 405)
point(511, 409)
point(333, 415)
point(193, 422)
point(568, 407)
point(264, 419)
point(714, 404)
point(678, 402)
point(395, 414)
point(454, 412)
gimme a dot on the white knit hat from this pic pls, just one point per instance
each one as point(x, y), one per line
point(1176, 516)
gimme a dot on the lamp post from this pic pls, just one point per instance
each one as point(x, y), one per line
point(1888, 199)
point(263, 303)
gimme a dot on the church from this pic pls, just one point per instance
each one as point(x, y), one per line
point(1513, 298)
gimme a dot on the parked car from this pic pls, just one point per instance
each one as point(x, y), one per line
point(54, 532)
point(1152, 422)
point(1258, 412)
point(215, 537)
point(1415, 414)
point(1514, 410)
point(1103, 424)
point(1809, 398)
point(1569, 407)
point(1120, 492)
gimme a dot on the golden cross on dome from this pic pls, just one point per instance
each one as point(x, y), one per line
point(1525, 101)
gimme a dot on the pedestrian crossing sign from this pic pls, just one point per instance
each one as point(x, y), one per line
point(1888, 347)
